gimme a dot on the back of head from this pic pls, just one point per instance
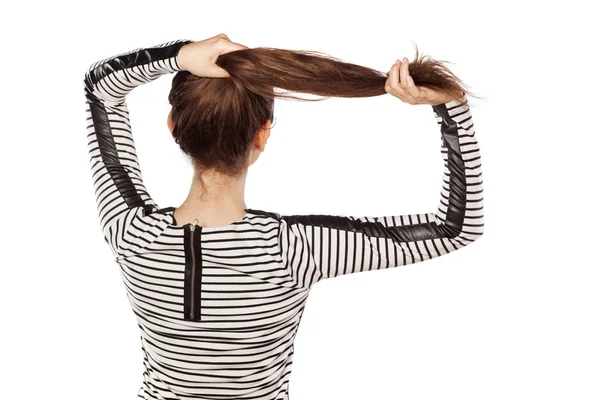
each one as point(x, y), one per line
point(215, 120)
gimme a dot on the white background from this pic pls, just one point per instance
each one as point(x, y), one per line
point(514, 316)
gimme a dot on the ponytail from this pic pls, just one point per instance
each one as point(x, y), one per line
point(216, 119)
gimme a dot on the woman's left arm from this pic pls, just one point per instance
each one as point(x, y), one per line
point(121, 195)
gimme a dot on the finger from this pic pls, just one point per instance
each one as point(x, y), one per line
point(426, 93)
point(397, 89)
point(232, 46)
point(394, 76)
point(218, 37)
point(218, 72)
point(238, 46)
point(412, 89)
point(403, 73)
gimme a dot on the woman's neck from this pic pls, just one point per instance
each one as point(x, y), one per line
point(219, 204)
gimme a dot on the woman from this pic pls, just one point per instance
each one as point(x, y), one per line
point(219, 289)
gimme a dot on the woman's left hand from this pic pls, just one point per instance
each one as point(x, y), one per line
point(199, 57)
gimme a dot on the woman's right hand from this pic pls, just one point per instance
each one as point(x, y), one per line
point(400, 84)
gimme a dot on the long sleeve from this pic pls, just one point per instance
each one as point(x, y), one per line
point(323, 246)
point(121, 196)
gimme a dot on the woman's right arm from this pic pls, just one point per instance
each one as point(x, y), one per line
point(325, 246)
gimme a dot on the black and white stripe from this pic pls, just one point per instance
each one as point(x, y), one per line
point(256, 273)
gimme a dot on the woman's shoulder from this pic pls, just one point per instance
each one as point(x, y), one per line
point(271, 214)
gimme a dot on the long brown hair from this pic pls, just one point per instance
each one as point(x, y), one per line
point(216, 119)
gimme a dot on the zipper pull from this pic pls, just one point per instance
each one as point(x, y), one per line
point(194, 224)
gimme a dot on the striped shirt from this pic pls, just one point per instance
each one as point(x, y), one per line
point(219, 307)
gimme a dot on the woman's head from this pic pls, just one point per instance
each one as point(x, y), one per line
point(215, 121)
point(222, 124)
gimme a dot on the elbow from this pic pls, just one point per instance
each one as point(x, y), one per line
point(88, 77)
point(85, 81)
point(470, 231)
point(477, 230)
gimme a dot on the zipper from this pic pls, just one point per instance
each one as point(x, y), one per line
point(191, 311)
point(192, 229)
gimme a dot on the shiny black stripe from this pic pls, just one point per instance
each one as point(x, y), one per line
point(134, 59)
point(106, 143)
point(109, 154)
point(455, 214)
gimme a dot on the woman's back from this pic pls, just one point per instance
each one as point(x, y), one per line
point(218, 308)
